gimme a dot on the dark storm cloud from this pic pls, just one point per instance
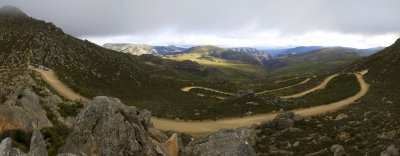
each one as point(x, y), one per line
point(136, 17)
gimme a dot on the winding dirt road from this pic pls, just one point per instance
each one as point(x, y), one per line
point(320, 86)
point(303, 82)
point(208, 126)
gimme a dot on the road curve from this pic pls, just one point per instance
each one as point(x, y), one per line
point(187, 89)
point(208, 126)
point(320, 86)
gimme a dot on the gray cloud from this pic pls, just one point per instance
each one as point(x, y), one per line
point(220, 17)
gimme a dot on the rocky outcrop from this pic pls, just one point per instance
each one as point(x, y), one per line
point(391, 151)
point(233, 142)
point(5, 147)
point(37, 148)
point(108, 127)
point(282, 121)
point(337, 150)
point(23, 111)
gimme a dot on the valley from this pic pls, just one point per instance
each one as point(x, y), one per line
point(61, 95)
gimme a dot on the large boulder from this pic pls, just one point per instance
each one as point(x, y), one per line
point(108, 127)
point(391, 151)
point(283, 120)
point(232, 142)
point(23, 111)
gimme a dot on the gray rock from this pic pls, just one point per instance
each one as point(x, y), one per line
point(108, 127)
point(282, 123)
point(283, 120)
point(338, 150)
point(245, 93)
point(388, 135)
point(38, 146)
point(5, 147)
point(23, 111)
point(391, 151)
point(233, 142)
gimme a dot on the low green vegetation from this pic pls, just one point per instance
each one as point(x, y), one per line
point(54, 136)
point(314, 81)
point(271, 84)
point(20, 138)
point(69, 109)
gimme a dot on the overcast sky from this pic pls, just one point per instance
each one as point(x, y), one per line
point(256, 23)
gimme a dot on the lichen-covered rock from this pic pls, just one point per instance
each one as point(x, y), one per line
point(282, 121)
point(108, 127)
point(38, 146)
point(337, 150)
point(5, 147)
point(233, 142)
point(23, 111)
point(391, 151)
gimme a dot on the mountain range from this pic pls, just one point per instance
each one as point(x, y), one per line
point(141, 49)
point(197, 83)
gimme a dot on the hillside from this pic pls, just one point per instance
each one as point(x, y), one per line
point(369, 126)
point(134, 49)
point(383, 67)
point(252, 51)
point(91, 70)
point(141, 49)
point(232, 65)
point(226, 54)
point(168, 50)
point(305, 49)
point(297, 50)
point(317, 61)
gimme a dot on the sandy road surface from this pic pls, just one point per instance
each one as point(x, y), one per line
point(62, 89)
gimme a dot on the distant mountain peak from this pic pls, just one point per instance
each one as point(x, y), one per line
point(11, 11)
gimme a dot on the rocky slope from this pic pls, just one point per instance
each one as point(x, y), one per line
point(232, 142)
point(367, 127)
point(383, 67)
point(91, 70)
